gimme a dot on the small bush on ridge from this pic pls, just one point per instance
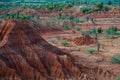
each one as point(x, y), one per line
point(91, 50)
point(65, 43)
point(115, 59)
point(77, 28)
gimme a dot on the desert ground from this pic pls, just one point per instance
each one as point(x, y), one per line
point(109, 47)
point(59, 41)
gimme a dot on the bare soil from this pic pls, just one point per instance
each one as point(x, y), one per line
point(108, 47)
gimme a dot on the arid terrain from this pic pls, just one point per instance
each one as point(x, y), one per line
point(49, 44)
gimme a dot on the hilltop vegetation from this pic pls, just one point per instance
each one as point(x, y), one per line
point(77, 1)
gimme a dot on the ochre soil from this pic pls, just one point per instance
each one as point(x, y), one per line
point(108, 47)
point(25, 55)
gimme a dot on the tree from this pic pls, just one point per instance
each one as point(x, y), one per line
point(99, 5)
point(17, 14)
point(85, 10)
point(98, 47)
point(92, 20)
point(22, 1)
point(95, 33)
point(109, 3)
point(99, 30)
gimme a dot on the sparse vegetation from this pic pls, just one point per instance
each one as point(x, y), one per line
point(89, 32)
point(97, 7)
point(66, 27)
point(95, 34)
point(17, 16)
point(65, 43)
point(80, 20)
point(86, 10)
point(115, 59)
point(91, 50)
point(100, 30)
point(60, 23)
point(79, 49)
point(77, 28)
point(117, 33)
point(111, 32)
point(118, 78)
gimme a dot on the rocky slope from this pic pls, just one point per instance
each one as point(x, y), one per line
point(25, 55)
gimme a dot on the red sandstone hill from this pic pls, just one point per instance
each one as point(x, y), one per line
point(25, 55)
point(83, 40)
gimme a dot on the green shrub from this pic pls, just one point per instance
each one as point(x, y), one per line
point(64, 43)
point(96, 9)
point(118, 78)
point(22, 16)
point(109, 2)
point(99, 30)
point(84, 10)
point(91, 50)
point(71, 18)
point(79, 49)
point(77, 28)
point(80, 20)
point(95, 34)
point(117, 33)
point(114, 28)
point(66, 27)
point(99, 5)
point(107, 33)
point(112, 31)
point(89, 32)
point(115, 59)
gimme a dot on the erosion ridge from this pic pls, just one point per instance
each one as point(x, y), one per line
point(25, 55)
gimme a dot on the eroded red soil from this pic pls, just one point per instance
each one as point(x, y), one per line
point(83, 40)
point(25, 55)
